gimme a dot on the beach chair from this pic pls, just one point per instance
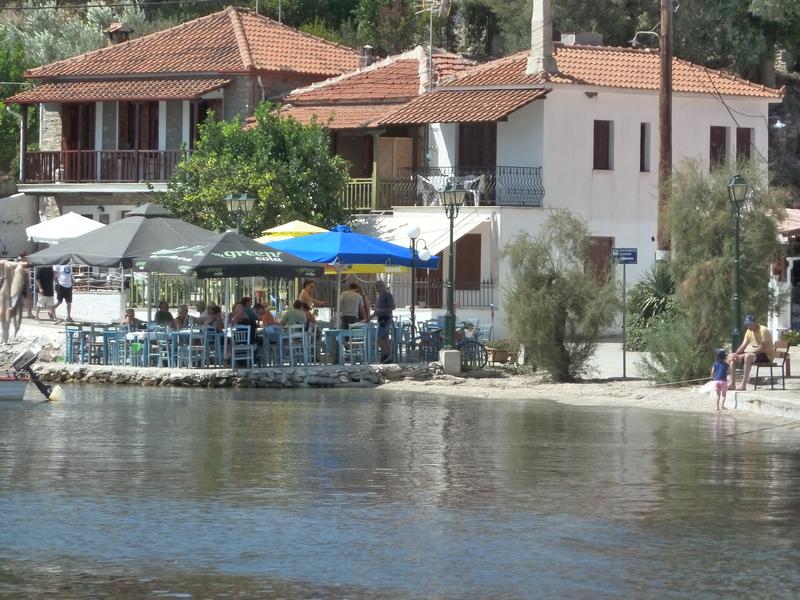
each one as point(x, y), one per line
point(298, 345)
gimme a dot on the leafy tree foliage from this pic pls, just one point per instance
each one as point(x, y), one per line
point(287, 165)
point(11, 68)
point(700, 222)
point(555, 308)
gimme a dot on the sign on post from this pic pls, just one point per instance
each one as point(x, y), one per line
point(624, 257)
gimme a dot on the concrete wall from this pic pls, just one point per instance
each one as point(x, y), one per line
point(109, 125)
point(444, 144)
point(16, 213)
point(50, 126)
point(519, 139)
point(97, 307)
point(113, 204)
point(174, 124)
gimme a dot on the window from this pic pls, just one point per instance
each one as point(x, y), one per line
point(603, 145)
point(104, 218)
point(719, 146)
point(598, 261)
point(744, 142)
point(644, 148)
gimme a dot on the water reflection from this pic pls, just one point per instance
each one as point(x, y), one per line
point(372, 494)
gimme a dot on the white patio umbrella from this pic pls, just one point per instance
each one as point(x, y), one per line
point(61, 228)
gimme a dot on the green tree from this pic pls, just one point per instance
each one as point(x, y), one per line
point(11, 68)
point(287, 165)
point(555, 307)
point(700, 223)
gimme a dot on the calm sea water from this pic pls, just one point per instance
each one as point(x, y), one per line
point(174, 493)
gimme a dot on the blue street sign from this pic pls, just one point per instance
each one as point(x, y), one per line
point(624, 256)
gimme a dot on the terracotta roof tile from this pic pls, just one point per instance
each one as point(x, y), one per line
point(342, 116)
point(131, 89)
point(611, 67)
point(230, 41)
point(398, 77)
point(451, 106)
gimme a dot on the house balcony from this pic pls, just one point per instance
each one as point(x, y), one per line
point(101, 166)
point(483, 186)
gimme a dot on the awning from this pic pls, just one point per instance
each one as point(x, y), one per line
point(61, 228)
point(463, 106)
point(434, 229)
point(128, 89)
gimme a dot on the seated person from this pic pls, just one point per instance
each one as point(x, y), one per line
point(214, 318)
point(238, 316)
point(183, 320)
point(756, 347)
point(131, 321)
point(202, 310)
point(264, 315)
point(310, 318)
point(247, 305)
point(163, 317)
point(295, 315)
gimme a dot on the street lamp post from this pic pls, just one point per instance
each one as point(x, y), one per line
point(453, 200)
point(424, 255)
point(738, 190)
point(240, 205)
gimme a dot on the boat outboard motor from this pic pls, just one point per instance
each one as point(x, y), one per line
point(22, 364)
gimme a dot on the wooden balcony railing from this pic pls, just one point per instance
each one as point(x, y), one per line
point(111, 166)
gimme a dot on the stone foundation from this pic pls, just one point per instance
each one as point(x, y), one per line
point(287, 377)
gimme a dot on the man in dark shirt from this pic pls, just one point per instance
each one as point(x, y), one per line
point(384, 309)
point(44, 285)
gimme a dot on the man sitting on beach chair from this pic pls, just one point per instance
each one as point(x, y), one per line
point(756, 347)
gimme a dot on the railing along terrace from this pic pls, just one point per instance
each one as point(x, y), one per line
point(113, 166)
point(486, 186)
point(432, 294)
point(358, 194)
point(275, 292)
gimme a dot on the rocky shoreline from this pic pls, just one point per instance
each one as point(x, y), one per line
point(287, 377)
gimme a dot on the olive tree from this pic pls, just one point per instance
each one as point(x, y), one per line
point(557, 306)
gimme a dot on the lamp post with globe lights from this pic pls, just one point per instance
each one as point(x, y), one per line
point(424, 255)
point(453, 200)
point(738, 192)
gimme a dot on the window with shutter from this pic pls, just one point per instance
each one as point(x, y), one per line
point(468, 262)
point(603, 136)
point(744, 141)
point(718, 149)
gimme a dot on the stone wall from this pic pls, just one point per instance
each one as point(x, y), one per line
point(50, 127)
point(288, 377)
point(238, 98)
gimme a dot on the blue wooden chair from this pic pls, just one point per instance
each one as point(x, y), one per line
point(242, 349)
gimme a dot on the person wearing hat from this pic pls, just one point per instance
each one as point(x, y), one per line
point(756, 347)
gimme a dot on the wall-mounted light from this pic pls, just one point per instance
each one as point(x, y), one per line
point(101, 208)
point(591, 94)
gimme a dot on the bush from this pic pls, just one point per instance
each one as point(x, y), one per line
point(557, 307)
point(677, 352)
point(651, 299)
point(792, 337)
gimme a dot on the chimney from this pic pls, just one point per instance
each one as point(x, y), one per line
point(118, 33)
point(540, 59)
point(366, 57)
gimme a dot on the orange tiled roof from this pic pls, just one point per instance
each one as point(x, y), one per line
point(791, 223)
point(234, 40)
point(130, 89)
point(341, 116)
point(398, 77)
point(611, 67)
point(463, 106)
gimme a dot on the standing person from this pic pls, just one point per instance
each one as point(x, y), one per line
point(756, 347)
point(351, 306)
point(307, 294)
point(367, 308)
point(719, 374)
point(28, 293)
point(44, 285)
point(384, 309)
point(63, 276)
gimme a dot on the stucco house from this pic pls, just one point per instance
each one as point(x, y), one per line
point(565, 125)
point(114, 122)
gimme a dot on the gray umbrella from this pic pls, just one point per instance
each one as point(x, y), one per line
point(143, 230)
point(226, 255)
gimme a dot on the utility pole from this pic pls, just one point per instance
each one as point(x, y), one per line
point(664, 130)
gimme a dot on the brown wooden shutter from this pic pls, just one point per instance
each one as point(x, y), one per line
point(599, 259)
point(744, 139)
point(718, 146)
point(477, 145)
point(602, 145)
point(468, 262)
